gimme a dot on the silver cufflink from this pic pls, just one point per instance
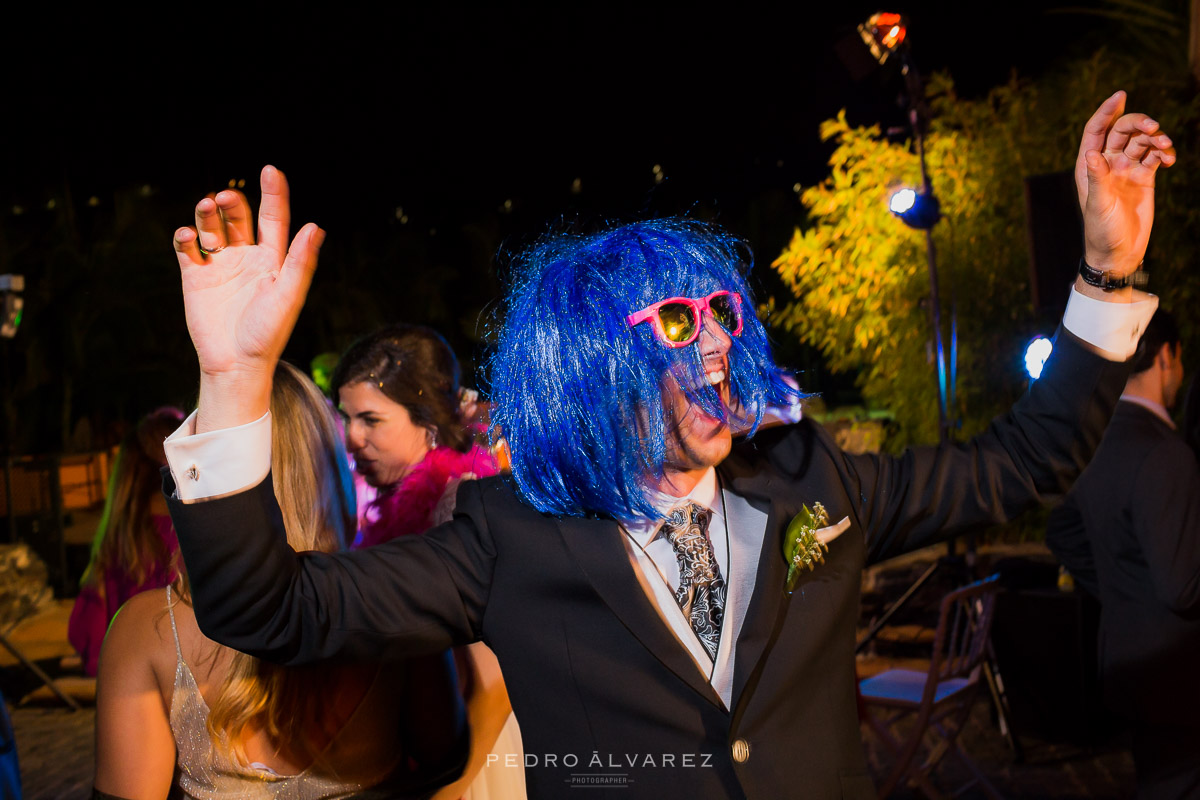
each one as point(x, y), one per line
point(193, 473)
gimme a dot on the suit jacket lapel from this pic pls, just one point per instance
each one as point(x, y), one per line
point(764, 615)
point(600, 553)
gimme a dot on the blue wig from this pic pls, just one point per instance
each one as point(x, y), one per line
point(579, 392)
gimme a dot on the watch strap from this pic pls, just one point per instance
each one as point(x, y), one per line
point(1102, 280)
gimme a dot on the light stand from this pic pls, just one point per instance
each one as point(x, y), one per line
point(885, 34)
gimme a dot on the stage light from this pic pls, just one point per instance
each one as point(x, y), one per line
point(883, 34)
point(902, 201)
point(915, 209)
point(1035, 356)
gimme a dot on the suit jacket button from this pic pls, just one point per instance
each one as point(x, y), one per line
point(741, 751)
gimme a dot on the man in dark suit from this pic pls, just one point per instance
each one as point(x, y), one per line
point(1129, 532)
point(631, 575)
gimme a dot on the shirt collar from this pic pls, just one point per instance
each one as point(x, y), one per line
point(644, 530)
point(1158, 409)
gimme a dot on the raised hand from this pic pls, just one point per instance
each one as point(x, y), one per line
point(242, 297)
point(1114, 175)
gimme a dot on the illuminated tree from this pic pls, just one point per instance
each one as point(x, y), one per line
point(858, 276)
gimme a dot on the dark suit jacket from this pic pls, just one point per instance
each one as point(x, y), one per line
point(599, 684)
point(1130, 533)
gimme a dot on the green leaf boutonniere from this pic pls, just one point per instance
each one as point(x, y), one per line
point(801, 547)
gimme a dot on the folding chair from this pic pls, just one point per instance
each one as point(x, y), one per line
point(938, 701)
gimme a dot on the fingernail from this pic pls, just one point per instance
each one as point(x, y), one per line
point(1151, 122)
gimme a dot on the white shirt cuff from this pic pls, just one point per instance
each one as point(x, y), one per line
point(1114, 329)
point(217, 463)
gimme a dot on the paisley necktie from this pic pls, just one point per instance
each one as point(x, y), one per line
point(701, 592)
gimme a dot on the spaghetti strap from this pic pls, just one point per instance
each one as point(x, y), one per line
point(174, 630)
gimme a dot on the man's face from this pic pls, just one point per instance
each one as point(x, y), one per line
point(696, 440)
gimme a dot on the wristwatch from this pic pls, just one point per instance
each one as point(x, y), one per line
point(1102, 280)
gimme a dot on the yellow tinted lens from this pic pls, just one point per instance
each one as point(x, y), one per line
point(724, 311)
point(678, 321)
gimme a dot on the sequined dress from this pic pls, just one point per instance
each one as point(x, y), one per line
point(360, 755)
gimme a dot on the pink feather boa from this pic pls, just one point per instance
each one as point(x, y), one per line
point(409, 507)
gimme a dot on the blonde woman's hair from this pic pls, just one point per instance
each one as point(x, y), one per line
point(315, 492)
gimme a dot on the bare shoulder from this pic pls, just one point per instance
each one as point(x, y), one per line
point(142, 622)
point(139, 649)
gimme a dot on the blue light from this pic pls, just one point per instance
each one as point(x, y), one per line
point(915, 209)
point(1035, 356)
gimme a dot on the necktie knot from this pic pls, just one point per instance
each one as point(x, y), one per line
point(687, 530)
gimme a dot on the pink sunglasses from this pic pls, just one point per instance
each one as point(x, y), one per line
point(679, 320)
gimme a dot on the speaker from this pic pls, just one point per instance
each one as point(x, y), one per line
point(1045, 645)
point(1054, 229)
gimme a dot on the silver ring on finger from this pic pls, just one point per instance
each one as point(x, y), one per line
point(208, 251)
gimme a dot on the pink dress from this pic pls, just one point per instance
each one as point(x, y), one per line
point(97, 604)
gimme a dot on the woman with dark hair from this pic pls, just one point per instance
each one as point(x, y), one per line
point(409, 428)
point(135, 548)
point(398, 390)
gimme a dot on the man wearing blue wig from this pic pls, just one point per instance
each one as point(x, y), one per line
point(630, 574)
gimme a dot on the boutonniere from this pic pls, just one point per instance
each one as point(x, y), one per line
point(807, 541)
point(801, 547)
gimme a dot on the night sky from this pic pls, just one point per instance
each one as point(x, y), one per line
point(447, 115)
point(424, 143)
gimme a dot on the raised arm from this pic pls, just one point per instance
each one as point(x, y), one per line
point(412, 596)
point(1032, 452)
point(242, 296)
point(1119, 155)
point(251, 591)
point(1039, 447)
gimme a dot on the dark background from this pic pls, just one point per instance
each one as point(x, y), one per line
point(425, 143)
